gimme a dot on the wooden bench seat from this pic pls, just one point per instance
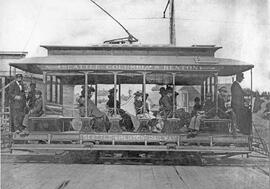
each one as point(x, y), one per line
point(50, 123)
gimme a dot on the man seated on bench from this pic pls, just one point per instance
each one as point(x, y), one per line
point(36, 110)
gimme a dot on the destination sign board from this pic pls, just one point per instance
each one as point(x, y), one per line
point(120, 67)
point(130, 138)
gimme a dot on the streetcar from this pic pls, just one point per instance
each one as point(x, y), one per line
point(119, 65)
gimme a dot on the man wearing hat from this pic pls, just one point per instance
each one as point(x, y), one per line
point(31, 95)
point(110, 103)
point(166, 103)
point(237, 102)
point(222, 91)
point(17, 103)
point(81, 99)
point(138, 102)
point(36, 110)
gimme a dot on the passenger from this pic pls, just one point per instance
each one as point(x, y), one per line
point(100, 122)
point(17, 104)
point(237, 103)
point(196, 115)
point(184, 117)
point(110, 103)
point(81, 100)
point(30, 100)
point(221, 99)
point(197, 106)
point(166, 104)
point(162, 92)
point(138, 103)
point(35, 111)
point(125, 123)
point(209, 106)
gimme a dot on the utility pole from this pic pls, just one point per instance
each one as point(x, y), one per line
point(172, 22)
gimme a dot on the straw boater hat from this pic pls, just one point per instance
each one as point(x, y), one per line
point(138, 93)
point(222, 89)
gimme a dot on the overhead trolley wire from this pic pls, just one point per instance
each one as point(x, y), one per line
point(34, 26)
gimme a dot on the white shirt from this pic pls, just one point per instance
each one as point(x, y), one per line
point(19, 85)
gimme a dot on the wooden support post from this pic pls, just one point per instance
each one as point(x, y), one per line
point(61, 92)
point(216, 89)
point(173, 81)
point(86, 93)
point(251, 87)
point(202, 92)
point(56, 90)
point(251, 98)
point(211, 85)
point(51, 89)
point(206, 86)
point(144, 91)
point(96, 88)
point(114, 99)
point(44, 92)
point(3, 96)
point(119, 94)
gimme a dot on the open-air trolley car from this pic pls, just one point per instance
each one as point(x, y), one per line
point(131, 64)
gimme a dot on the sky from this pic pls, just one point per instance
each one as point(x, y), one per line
point(241, 27)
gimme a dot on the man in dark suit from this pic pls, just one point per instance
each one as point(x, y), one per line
point(17, 103)
point(237, 102)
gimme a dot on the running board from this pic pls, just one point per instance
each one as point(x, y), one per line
point(152, 148)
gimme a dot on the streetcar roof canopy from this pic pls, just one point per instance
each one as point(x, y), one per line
point(196, 60)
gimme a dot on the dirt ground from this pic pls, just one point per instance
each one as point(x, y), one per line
point(70, 176)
